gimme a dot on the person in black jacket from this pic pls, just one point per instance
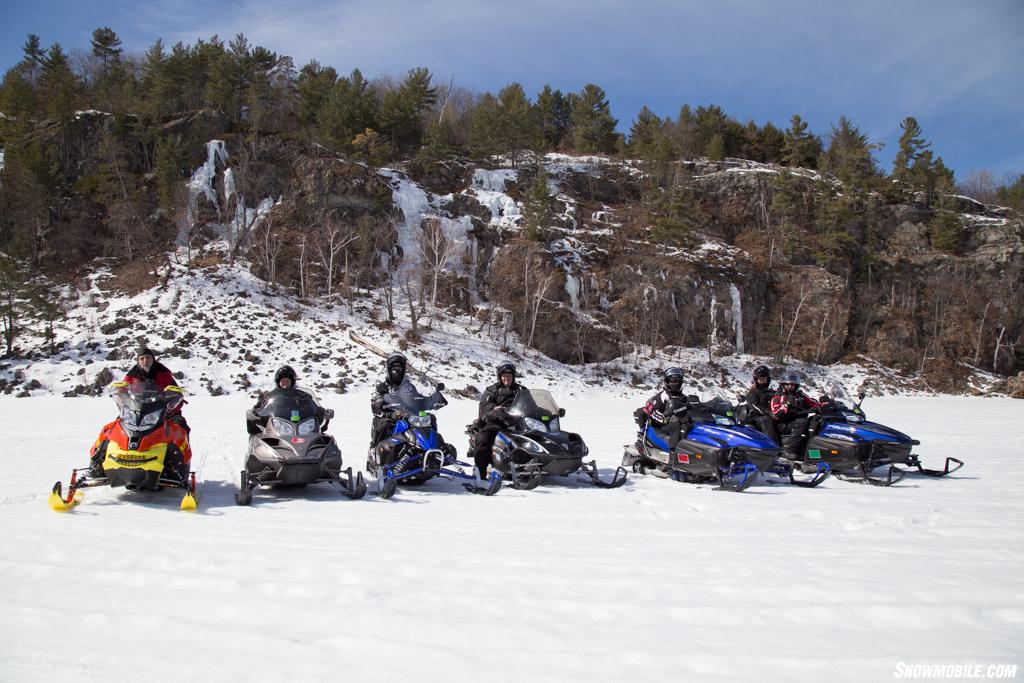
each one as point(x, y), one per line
point(493, 403)
point(284, 384)
point(759, 399)
point(383, 420)
point(667, 409)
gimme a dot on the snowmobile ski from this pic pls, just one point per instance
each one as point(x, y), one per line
point(493, 483)
point(590, 470)
point(914, 461)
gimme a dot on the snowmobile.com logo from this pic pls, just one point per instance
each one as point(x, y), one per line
point(954, 671)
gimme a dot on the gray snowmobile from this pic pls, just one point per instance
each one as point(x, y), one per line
point(288, 446)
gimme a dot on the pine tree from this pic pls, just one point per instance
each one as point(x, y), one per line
point(34, 56)
point(802, 148)
point(644, 134)
point(848, 156)
point(106, 46)
point(485, 127)
point(537, 211)
point(555, 117)
point(402, 109)
point(59, 86)
point(518, 122)
point(593, 125)
point(911, 146)
point(350, 108)
point(312, 89)
point(675, 214)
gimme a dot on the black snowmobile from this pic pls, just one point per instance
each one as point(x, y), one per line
point(415, 452)
point(288, 447)
point(533, 444)
point(840, 435)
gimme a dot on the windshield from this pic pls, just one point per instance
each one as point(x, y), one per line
point(139, 395)
point(410, 401)
point(838, 392)
point(294, 404)
point(533, 403)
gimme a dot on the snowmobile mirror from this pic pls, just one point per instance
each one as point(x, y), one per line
point(861, 395)
point(439, 387)
point(329, 414)
point(561, 412)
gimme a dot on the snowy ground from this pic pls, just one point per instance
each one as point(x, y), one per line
point(652, 581)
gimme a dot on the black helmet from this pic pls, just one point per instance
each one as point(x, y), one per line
point(673, 380)
point(282, 372)
point(762, 371)
point(506, 368)
point(144, 351)
point(790, 378)
point(395, 366)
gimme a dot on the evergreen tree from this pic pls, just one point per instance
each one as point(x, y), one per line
point(685, 135)
point(836, 219)
point(555, 117)
point(644, 134)
point(59, 86)
point(802, 148)
point(402, 109)
point(715, 149)
point(1012, 194)
point(350, 108)
point(106, 46)
point(34, 56)
point(675, 214)
point(537, 211)
point(485, 127)
point(518, 123)
point(848, 156)
point(593, 125)
point(313, 88)
point(911, 146)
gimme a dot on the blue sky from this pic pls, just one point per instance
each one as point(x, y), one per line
point(957, 66)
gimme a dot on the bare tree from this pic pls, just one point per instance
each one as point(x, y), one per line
point(804, 293)
point(338, 237)
point(436, 252)
point(267, 250)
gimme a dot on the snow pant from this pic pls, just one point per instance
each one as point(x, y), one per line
point(483, 444)
point(766, 425)
point(673, 430)
point(382, 428)
point(794, 435)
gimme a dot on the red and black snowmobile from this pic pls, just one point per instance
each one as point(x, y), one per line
point(146, 448)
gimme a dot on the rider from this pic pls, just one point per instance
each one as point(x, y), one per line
point(493, 403)
point(667, 409)
point(790, 407)
point(759, 399)
point(148, 369)
point(284, 385)
point(384, 421)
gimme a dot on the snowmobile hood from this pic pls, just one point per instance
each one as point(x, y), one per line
point(865, 431)
point(733, 436)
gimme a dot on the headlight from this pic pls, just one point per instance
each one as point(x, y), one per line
point(554, 426)
point(282, 427)
point(420, 420)
point(307, 427)
point(723, 420)
point(128, 416)
point(150, 420)
point(531, 446)
point(535, 425)
point(852, 416)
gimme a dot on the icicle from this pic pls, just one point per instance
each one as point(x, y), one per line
point(737, 316)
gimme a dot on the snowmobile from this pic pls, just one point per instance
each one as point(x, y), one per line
point(288, 446)
point(533, 444)
point(715, 449)
point(145, 448)
point(840, 435)
point(415, 452)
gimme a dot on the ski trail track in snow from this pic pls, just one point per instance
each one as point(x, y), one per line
point(653, 581)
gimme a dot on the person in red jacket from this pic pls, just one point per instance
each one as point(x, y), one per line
point(148, 369)
point(789, 408)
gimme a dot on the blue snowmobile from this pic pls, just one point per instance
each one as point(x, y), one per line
point(714, 449)
point(840, 435)
point(415, 452)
